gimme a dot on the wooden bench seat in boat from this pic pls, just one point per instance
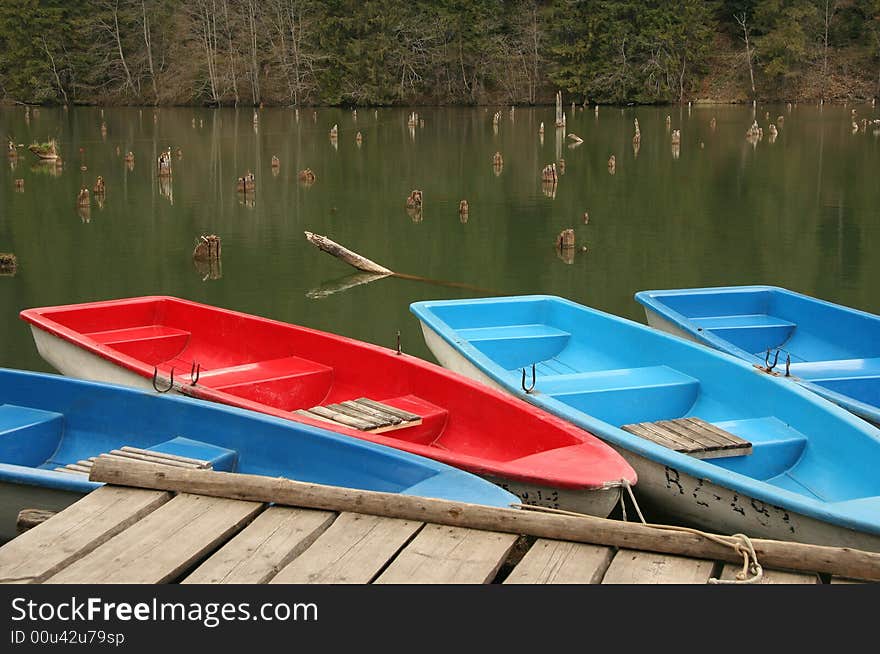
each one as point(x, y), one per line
point(624, 395)
point(151, 343)
point(751, 332)
point(692, 436)
point(179, 451)
point(84, 466)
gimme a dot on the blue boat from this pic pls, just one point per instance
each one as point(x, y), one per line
point(715, 442)
point(829, 349)
point(51, 427)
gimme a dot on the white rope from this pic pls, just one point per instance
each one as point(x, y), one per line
point(752, 572)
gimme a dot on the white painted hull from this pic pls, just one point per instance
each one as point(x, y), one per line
point(74, 361)
point(693, 501)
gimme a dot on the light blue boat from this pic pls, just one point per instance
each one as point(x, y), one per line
point(829, 349)
point(807, 470)
point(50, 427)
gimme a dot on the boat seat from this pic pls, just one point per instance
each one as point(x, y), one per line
point(624, 395)
point(84, 466)
point(751, 332)
point(28, 436)
point(364, 414)
point(837, 369)
point(776, 447)
point(258, 371)
point(692, 436)
point(517, 345)
point(150, 343)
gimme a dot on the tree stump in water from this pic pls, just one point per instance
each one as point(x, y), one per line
point(8, 263)
point(207, 248)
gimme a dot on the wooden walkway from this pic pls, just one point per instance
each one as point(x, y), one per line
point(122, 534)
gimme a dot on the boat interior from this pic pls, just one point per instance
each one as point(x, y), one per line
point(622, 373)
point(280, 368)
point(830, 346)
point(57, 424)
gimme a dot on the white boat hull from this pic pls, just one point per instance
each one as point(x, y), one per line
point(694, 502)
point(74, 361)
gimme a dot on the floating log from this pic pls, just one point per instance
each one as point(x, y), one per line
point(497, 159)
point(30, 518)
point(846, 562)
point(276, 162)
point(349, 257)
point(129, 157)
point(574, 137)
point(99, 188)
point(306, 176)
point(358, 138)
point(676, 137)
point(612, 164)
point(463, 208)
point(207, 248)
point(19, 184)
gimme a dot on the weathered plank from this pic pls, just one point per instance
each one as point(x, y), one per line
point(845, 562)
point(163, 545)
point(351, 551)
point(638, 567)
point(30, 518)
point(730, 571)
point(449, 555)
point(260, 550)
point(561, 562)
point(76, 531)
point(692, 436)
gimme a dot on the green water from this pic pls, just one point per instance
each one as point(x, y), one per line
point(801, 212)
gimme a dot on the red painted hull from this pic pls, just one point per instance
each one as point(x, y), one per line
point(277, 368)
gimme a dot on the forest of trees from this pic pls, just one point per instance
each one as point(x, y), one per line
point(380, 52)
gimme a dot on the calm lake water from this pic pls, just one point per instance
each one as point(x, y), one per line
point(801, 212)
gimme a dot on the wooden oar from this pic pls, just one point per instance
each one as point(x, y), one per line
point(375, 270)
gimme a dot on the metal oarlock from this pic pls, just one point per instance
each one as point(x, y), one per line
point(532, 387)
point(194, 373)
point(156, 378)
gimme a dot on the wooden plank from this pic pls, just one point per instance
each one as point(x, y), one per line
point(357, 412)
point(151, 459)
point(163, 545)
point(73, 469)
point(638, 567)
point(393, 419)
point(324, 412)
point(842, 561)
point(74, 532)
point(844, 580)
point(260, 550)
point(561, 562)
point(692, 436)
point(352, 551)
point(198, 463)
point(730, 571)
point(449, 555)
point(393, 410)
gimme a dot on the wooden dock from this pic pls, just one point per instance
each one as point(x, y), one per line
point(233, 528)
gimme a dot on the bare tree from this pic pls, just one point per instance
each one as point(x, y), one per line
point(204, 15)
point(112, 28)
point(148, 46)
point(231, 51)
point(830, 9)
point(254, 63)
point(54, 69)
point(742, 19)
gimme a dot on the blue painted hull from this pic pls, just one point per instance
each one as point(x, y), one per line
point(48, 421)
point(812, 473)
point(834, 350)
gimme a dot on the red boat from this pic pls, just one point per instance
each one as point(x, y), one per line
point(347, 386)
